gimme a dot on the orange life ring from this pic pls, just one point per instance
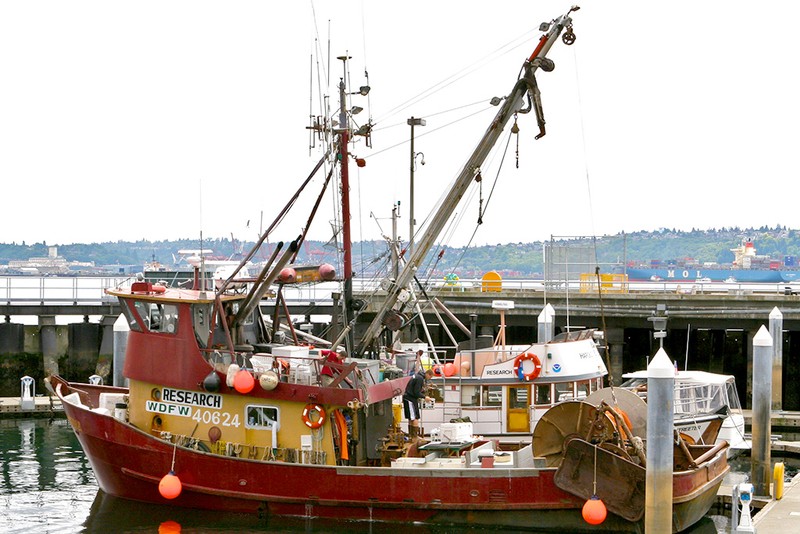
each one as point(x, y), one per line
point(313, 425)
point(537, 366)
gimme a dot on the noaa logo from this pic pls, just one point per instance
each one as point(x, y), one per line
point(557, 368)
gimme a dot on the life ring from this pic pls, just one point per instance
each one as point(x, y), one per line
point(537, 366)
point(313, 425)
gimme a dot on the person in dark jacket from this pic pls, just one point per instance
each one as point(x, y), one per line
point(414, 393)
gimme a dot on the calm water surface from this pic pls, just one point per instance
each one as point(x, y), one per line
point(48, 487)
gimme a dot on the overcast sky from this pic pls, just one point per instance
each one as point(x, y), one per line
point(159, 120)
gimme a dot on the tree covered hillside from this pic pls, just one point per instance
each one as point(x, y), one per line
point(510, 259)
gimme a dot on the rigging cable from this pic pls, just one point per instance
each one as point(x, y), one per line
point(488, 199)
point(430, 131)
point(519, 41)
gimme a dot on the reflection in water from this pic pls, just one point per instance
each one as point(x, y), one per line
point(47, 483)
point(48, 487)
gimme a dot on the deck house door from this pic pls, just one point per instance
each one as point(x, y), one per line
point(517, 414)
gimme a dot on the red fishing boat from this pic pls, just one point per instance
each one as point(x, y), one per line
point(219, 415)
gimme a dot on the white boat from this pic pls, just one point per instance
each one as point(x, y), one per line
point(505, 389)
point(706, 407)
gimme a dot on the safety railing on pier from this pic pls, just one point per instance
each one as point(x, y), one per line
point(91, 289)
point(58, 289)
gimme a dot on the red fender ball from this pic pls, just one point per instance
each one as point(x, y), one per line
point(594, 511)
point(243, 382)
point(170, 486)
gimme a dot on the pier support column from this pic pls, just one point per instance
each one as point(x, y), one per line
point(747, 353)
point(776, 331)
point(49, 341)
point(121, 331)
point(615, 341)
point(106, 354)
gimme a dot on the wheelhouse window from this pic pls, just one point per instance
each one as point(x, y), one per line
point(542, 394)
point(565, 391)
point(481, 396)
point(494, 395)
point(158, 317)
point(261, 417)
point(150, 316)
point(130, 315)
point(201, 319)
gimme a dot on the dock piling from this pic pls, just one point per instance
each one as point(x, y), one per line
point(660, 425)
point(760, 459)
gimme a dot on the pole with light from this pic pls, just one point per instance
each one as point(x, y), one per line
point(413, 121)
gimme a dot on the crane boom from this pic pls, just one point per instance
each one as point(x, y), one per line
point(526, 84)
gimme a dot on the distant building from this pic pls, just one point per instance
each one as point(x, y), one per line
point(52, 264)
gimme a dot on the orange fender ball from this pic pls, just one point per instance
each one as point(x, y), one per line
point(449, 369)
point(170, 486)
point(594, 511)
point(243, 382)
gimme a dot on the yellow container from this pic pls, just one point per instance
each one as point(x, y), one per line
point(397, 413)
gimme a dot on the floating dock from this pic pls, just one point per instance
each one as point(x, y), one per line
point(44, 406)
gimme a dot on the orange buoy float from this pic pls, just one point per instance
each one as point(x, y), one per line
point(243, 381)
point(594, 511)
point(170, 486)
point(327, 271)
point(169, 527)
point(313, 425)
point(287, 276)
point(449, 369)
point(518, 367)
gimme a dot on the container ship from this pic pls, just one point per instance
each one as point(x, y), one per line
point(747, 267)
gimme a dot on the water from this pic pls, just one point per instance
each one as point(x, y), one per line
point(48, 487)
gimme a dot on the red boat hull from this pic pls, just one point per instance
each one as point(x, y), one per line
point(129, 463)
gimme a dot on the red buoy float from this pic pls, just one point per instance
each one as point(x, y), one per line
point(594, 511)
point(287, 276)
point(327, 271)
point(170, 486)
point(518, 367)
point(243, 381)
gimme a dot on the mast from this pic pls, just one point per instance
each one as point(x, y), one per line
point(526, 84)
point(347, 259)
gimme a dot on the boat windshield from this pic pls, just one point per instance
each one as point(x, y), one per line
point(733, 395)
point(692, 398)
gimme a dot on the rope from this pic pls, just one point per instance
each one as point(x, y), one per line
point(174, 448)
point(594, 476)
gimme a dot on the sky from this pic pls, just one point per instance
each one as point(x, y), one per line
point(162, 120)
